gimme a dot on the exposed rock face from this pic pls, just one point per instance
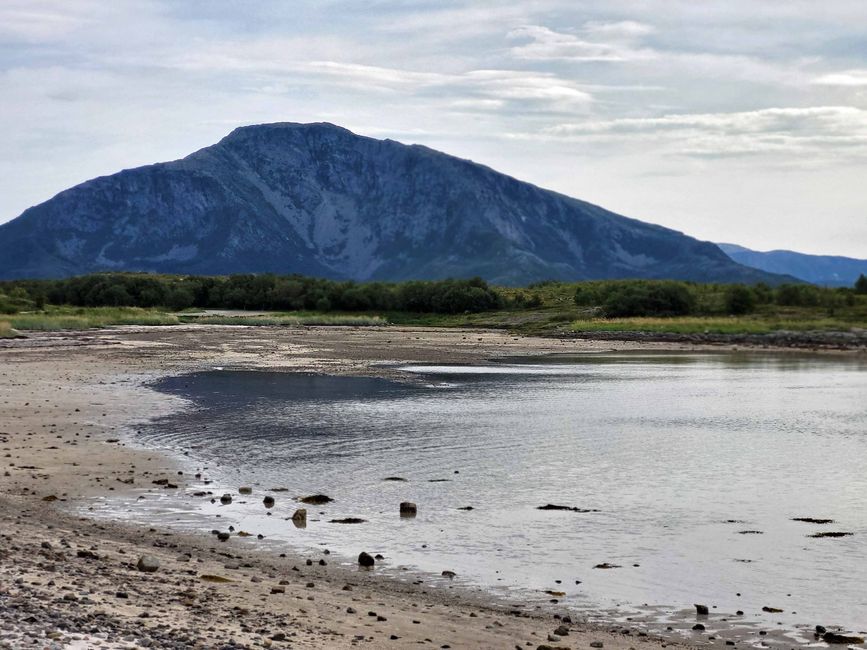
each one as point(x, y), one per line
point(319, 200)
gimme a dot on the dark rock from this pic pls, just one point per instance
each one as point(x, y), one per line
point(316, 500)
point(147, 564)
point(408, 509)
point(552, 506)
point(698, 627)
point(226, 499)
point(702, 610)
point(347, 520)
point(365, 559)
point(833, 637)
point(813, 520)
point(268, 502)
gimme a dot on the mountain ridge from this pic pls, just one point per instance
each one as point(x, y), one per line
point(825, 270)
point(318, 199)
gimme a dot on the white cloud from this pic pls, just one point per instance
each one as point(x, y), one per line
point(844, 78)
point(628, 29)
point(540, 43)
point(831, 130)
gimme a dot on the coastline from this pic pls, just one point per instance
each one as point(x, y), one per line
point(69, 400)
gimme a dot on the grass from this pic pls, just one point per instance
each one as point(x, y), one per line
point(709, 325)
point(68, 318)
point(7, 332)
point(557, 314)
point(299, 319)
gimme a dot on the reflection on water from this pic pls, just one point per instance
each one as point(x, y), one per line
point(680, 454)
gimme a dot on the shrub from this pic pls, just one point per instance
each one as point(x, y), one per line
point(649, 299)
point(739, 299)
point(798, 295)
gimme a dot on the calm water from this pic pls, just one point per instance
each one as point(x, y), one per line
point(679, 453)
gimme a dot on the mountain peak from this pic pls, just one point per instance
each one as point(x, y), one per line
point(320, 200)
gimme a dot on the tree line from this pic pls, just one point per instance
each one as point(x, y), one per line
point(609, 298)
point(259, 292)
point(626, 298)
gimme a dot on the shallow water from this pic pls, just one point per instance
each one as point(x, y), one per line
point(678, 453)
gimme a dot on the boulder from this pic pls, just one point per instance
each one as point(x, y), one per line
point(147, 564)
point(299, 518)
point(365, 559)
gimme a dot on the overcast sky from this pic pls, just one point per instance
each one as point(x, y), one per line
point(742, 121)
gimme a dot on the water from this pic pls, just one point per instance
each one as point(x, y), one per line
point(678, 453)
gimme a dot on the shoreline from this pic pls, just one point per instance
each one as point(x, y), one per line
point(61, 423)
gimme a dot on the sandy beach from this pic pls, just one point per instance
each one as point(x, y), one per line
point(68, 403)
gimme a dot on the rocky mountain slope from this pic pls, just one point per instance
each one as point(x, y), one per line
point(319, 200)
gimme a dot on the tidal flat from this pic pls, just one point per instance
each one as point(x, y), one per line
point(668, 479)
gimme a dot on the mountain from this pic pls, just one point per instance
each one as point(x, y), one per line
point(319, 200)
point(825, 270)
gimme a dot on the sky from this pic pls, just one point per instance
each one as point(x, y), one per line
point(740, 121)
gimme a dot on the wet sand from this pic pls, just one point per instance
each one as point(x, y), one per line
point(67, 403)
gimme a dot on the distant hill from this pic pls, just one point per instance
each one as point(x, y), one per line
point(824, 270)
point(319, 200)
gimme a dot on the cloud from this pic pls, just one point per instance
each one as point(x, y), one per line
point(845, 78)
point(489, 89)
point(541, 43)
point(831, 130)
point(38, 21)
point(621, 29)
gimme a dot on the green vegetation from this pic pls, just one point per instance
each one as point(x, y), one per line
point(544, 308)
point(256, 292)
point(6, 331)
point(637, 297)
point(66, 318)
point(286, 320)
point(709, 325)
